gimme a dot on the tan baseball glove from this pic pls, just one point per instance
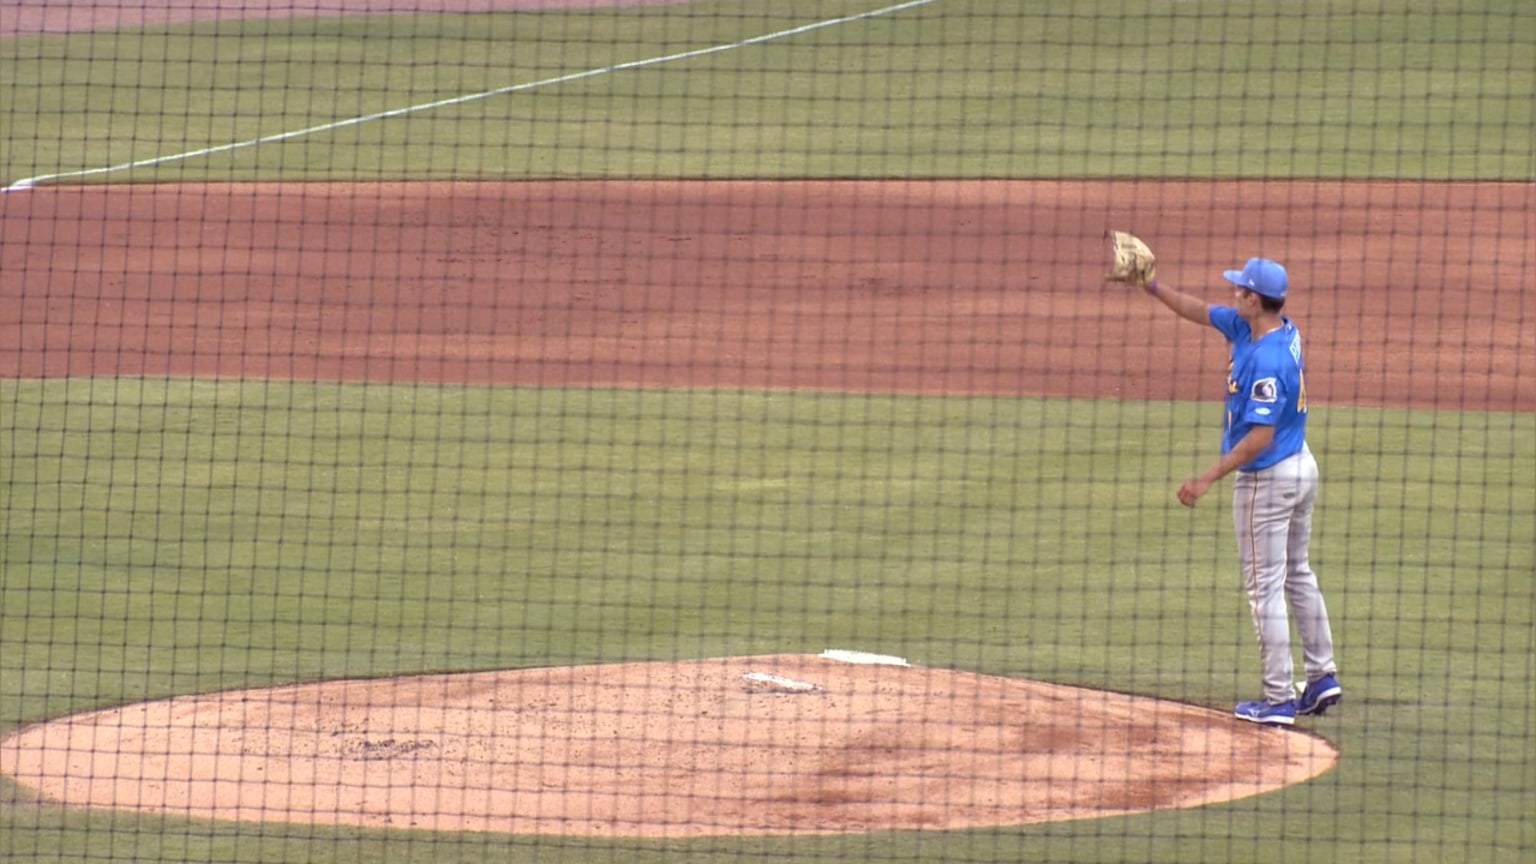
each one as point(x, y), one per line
point(1134, 261)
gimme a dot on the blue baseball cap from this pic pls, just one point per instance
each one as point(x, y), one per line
point(1261, 276)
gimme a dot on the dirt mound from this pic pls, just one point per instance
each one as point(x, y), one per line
point(783, 744)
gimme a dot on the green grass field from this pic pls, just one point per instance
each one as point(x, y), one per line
point(163, 537)
point(973, 88)
point(195, 536)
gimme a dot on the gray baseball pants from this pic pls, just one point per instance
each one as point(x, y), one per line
point(1272, 514)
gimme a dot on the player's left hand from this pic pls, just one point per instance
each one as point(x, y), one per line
point(1191, 490)
point(1133, 260)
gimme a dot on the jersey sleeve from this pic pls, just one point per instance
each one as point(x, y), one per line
point(1271, 385)
point(1264, 402)
point(1226, 319)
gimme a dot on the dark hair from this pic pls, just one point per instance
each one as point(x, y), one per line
point(1268, 304)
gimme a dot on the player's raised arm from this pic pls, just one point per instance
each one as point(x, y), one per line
point(1185, 306)
point(1134, 264)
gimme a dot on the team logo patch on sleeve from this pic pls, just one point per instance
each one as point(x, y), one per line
point(1263, 390)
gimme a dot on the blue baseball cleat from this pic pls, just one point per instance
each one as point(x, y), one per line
point(1320, 695)
point(1259, 711)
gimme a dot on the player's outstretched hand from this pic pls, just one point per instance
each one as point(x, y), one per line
point(1133, 260)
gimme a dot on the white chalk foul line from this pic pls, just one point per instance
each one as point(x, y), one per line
point(30, 182)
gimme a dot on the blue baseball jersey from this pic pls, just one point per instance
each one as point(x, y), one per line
point(1266, 386)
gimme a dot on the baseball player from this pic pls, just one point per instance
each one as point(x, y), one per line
point(1264, 442)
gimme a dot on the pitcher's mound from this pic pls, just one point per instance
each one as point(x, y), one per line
point(785, 744)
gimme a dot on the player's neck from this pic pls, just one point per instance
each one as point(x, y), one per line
point(1264, 323)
